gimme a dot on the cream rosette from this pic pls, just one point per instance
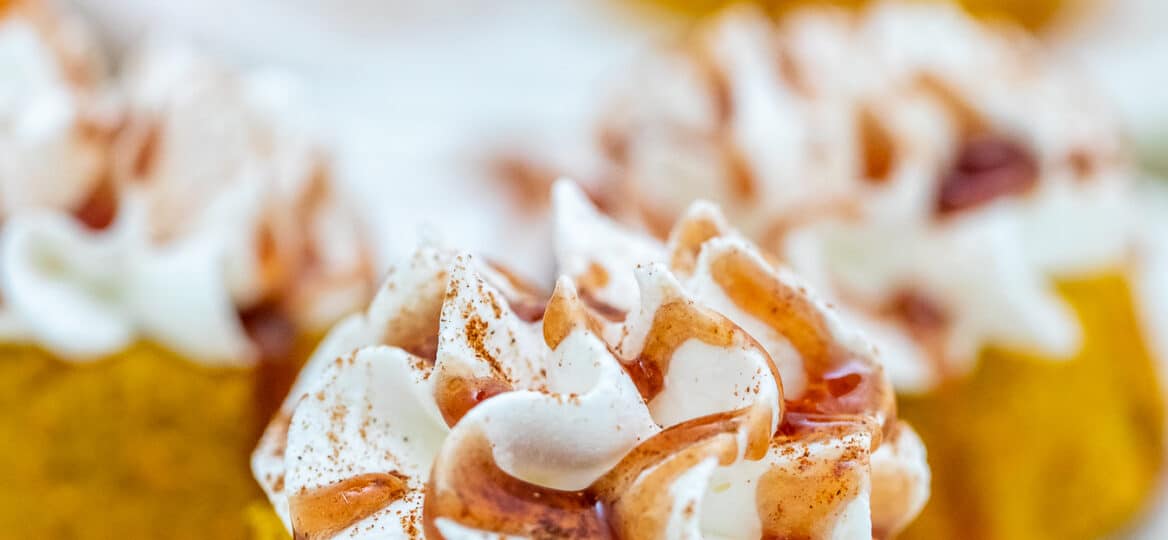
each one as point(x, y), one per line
point(685, 390)
point(206, 199)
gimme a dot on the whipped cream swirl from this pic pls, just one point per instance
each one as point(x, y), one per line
point(920, 168)
point(203, 197)
point(685, 390)
point(53, 131)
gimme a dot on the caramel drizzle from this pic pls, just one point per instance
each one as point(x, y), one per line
point(687, 239)
point(323, 512)
point(565, 313)
point(839, 382)
point(877, 145)
point(457, 395)
point(472, 490)
point(674, 323)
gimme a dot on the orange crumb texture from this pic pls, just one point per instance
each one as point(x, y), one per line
point(1032, 449)
point(142, 444)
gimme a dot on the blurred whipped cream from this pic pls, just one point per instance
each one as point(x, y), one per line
point(417, 96)
point(931, 173)
point(684, 390)
point(200, 198)
point(1120, 45)
point(53, 138)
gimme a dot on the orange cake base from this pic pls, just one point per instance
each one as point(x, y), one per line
point(143, 444)
point(1033, 14)
point(1031, 449)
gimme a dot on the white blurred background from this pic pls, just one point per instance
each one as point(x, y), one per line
point(413, 96)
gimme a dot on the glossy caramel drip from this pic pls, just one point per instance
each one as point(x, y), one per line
point(627, 502)
point(849, 388)
point(483, 496)
point(838, 381)
point(637, 492)
point(986, 167)
point(565, 313)
point(757, 291)
point(323, 512)
point(687, 239)
point(877, 145)
point(755, 420)
point(457, 395)
point(675, 322)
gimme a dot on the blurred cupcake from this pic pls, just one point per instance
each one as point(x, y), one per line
point(170, 249)
point(968, 205)
point(1033, 14)
point(684, 390)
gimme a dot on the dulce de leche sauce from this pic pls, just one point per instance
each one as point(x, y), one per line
point(804, 458)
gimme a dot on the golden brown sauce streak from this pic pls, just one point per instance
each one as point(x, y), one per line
point(675, 323)
point(838, 381)
point(565, 312)
point(457, 395)
point(840, 399)
point(687, 239)
point(878, 146)
point(323, 512)
point(483, 496)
